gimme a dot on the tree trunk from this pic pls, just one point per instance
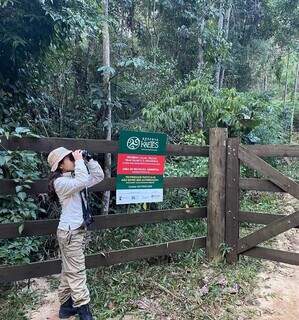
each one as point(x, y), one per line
point(285, 93)
point(226, 33)
point(218, 59)
point(80, 70)
point(107, 97)
point(265, 82)
point(200, 46)
point(294, 102)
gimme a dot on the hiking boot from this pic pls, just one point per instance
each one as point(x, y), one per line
point(67, 310)
point(84, 312)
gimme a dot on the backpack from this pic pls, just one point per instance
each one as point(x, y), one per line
point(87, 213)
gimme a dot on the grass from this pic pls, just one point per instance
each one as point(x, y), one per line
point(15, 301)
point(188, 288)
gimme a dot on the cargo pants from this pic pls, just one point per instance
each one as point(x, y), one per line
point(73, 273)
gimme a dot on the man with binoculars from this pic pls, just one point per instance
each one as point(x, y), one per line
point(71, 174)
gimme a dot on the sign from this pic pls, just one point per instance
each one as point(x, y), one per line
point(140, 167)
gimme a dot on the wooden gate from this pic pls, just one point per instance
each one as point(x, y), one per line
point(274, 182)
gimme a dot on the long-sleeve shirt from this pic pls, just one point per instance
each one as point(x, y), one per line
point(68, 188)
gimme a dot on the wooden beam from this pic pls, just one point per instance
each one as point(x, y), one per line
point(47, 227)
point(274, 150)
point(271, 230)
point(42, 269)
point(256, 163)
point(216, 194)
point(259, 217)
point(274, 255)
point(7, 186)
point(232, 199)
point(259, 185)
point(99, 146)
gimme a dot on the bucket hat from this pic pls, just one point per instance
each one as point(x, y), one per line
point(57, 155)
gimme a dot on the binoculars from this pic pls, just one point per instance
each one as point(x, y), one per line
point(86, 155)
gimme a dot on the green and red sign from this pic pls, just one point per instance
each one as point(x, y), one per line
point(140, 167)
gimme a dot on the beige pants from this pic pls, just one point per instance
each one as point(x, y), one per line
point(73, 273)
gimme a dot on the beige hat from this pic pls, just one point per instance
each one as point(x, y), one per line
point(57, 155)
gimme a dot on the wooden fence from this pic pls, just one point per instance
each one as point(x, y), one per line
point(276, 182)
point(222, 211)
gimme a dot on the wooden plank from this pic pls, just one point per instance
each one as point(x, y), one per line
point(259, 217)
point(259, 185)
point(256, 163)
point(7, 186)
point(41, 269)
point(46, 145)
point(232, 199)
point(47, 227)
point(216, 195)
point(274, 150)
point(271, 230)
point(274, 255)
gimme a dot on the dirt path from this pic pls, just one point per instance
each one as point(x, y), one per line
point(279, 296)
point(48, 309)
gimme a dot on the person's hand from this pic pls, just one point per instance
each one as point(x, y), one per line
point(77, 154)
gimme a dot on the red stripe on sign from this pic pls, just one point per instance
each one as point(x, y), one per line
point(140, 164)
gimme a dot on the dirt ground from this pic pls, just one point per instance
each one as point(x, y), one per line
point(49, 305)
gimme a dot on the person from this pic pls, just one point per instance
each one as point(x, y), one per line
point(70, 174)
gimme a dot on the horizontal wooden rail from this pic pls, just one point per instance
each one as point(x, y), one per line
point(47, 227)
point(259, 185)
point(272, 174)
point(7, 186)
point(269, 231)
point(274, 255)
point(41, 269)
point(274, 150)
point(93, 145)
point(259, 217)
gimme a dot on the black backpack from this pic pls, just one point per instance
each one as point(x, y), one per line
point(87, 213)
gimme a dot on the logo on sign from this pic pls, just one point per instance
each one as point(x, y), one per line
point(133, 143)
point(142, 143)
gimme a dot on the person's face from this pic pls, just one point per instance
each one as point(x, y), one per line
point(68, 163)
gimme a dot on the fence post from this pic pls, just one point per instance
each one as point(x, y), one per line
point(232, 199)
point(216, 193)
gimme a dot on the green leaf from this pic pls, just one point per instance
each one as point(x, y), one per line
point(21, 228)
point(33, 135)
point(107, 70)
point(22, 195)
point(17, 135)
point(22, 130)
point(2, 161)
point(19, 188)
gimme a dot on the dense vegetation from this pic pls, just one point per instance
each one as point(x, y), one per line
point(88, 68)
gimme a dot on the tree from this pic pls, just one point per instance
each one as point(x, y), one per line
point(107, 97)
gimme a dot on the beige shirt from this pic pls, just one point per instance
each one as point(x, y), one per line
point(68, 187)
